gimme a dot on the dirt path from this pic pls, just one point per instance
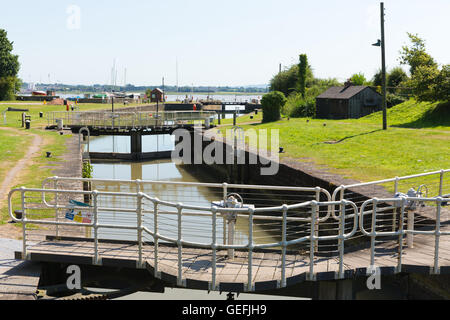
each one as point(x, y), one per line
point(12, 178)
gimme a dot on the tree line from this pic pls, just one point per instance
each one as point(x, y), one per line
point(294, 89)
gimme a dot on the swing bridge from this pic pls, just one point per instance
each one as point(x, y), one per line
point(272, 237)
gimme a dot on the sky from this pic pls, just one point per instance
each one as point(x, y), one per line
point(216, 43)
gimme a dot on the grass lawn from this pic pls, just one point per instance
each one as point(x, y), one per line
point(39, 168)
point(416, 141)
point(14, 145)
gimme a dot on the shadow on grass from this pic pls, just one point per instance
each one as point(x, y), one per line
point(439, 116)
point(348, 137)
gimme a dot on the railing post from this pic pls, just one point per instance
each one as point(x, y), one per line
point(316, 247)
point(310, 275)
point(373, 232)
point(410, 235)
point(214, 248)
point(139, 225)
point(395, 211)
point(396, 185)
point(24, 219)
point(341, 239)
point(437, 234)
point(180, 254)
point(95, 203)
point(155, 236)
point(284, 245)
point(56, 207)
point(400, 236)
point(225, 192)
point(250, 249)
point(441, 183)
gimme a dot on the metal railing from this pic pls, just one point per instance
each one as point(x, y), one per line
point(401, 232)
point(429, 184)
point(148, 218)
point(129, 120)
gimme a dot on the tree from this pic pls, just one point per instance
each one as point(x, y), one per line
point(271, 105)
point(442, 89)
point(9, 68)
point(302, 74)
point(427, 81)
point(286, 81)
point(358, 79)
point(377, 79)
point(395, 78)
point(416, 55)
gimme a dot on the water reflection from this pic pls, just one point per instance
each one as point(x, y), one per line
point(195, 229)
point(121, 144)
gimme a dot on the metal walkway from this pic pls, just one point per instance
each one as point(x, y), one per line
point(129, 120)
point(258, 245)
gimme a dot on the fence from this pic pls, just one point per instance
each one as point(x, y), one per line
point(129, 120)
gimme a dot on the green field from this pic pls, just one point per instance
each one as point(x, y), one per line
point(13, 145)
point(416, 141)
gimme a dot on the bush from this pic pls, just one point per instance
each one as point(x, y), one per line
point(299, 107)
point(394, 99)
point(87, 170)
point(271, 105)
point(7, 88)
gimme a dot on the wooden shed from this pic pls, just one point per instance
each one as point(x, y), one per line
point(157, 95)
point(347, 102)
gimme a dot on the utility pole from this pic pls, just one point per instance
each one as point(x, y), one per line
point(383, 67)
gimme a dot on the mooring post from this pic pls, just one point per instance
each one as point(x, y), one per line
point(234, 118)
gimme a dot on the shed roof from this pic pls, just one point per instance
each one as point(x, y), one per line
point(342, 92)
point(157, 89)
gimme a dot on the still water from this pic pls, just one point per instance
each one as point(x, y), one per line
point(195, 229)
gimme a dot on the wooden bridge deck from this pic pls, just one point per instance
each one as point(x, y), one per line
point(232, 275)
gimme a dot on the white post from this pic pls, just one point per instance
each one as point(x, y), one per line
point(156, 235)
point(214, 246)
point(139, 225)
point(410, 236)
point(437, 235)
point(250, 250)
point(341, 240)
point(180, 257)
point(56, 207)
point(312, 240)
point(24, 219)
point(96, 257)
point(283, 254)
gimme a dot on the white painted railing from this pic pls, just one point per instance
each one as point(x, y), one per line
point(128, 120)
point(146, 214)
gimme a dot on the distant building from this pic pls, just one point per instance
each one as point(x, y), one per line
point(157, 95)
point(347, 102)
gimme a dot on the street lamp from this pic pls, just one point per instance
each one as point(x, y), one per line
point(381, 43)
